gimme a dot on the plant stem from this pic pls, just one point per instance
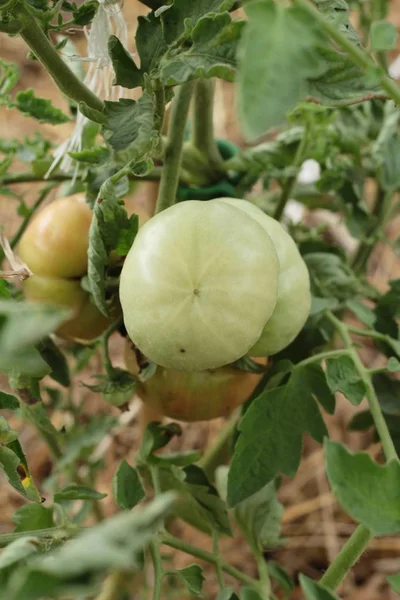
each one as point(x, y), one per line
point(212, 457)
point(290, 181)
point(173, 542)
point(347, 557)
point(50, 534)
point(41, 198)
point(15, 178)
point(367, 246)
point(62, 75)
point(379, 420)
point(173, 151)
point(322, 356)
point(203, 122)
point(358, 56)
point(158, 569)
point(218, 570)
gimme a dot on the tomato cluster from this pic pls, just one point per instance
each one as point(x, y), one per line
point(206, 283)
point(54, 246)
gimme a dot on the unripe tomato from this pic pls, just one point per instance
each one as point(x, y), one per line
point(56, 242)
point(87, 322)
point(294, 297)
point(193, 396)
point(198, 285)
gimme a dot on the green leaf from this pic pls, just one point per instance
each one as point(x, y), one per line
point(383, 36)
point(22, 325)
point(193, 578)
point(127, 236)
point(361, 421)
point(388, 392)
point(155, 437)
point(387, 309)
point(31, 517)
point(7, 433)
point(394, 582)
point(259, 518)
point(281, 576)
point(92, 114)
point(56, 360)
point(275, 39)
point(81, 439)
point(111, 545)
point(181, 17)
point(8, 401)
point(393, 365)
point(227, 594)
point(362, 312)
point(77, 492)
point(315, 591)
point(18, 551)
point(342, 376)
point(39, 108)
point(330, 276)
point(272, 428)
point(249, 593)
point(84, 14)
point(127, 74)
point(212, 54)
point(129, 121)
point(150, 42)
point(15, 467)
point(9, 76)
point(117, 390)
point(127, 487)
point(367, 491)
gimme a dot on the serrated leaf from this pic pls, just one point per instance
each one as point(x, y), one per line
point(77, 492)
point(56, 360)
point(275, 38)
point(259, 518)
point(129, 121)
point(150, 42)
point(8, 401)
point(383, 36)
point(330, 276)
point(193, 578)
point(84, 14)
point(127, 487)
point(342, 376)
point(127, 236)
point(272, 429)
point(127, 74)
point(315, 591)
point(31, 517)
point(367, 491)
point(181, 17)
point(18, 551)
point(116, 390)
point(212, 54)
point(39, 108)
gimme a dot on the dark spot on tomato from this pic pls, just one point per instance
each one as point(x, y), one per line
point(196, 292)
point(182, 350)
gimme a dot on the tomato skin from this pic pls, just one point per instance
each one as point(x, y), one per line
point(87, 322)
point(294, 296)
point(56, 242)
point(198, 286)
point(193, 396)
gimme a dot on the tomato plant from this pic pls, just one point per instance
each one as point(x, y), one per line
point(243, 279)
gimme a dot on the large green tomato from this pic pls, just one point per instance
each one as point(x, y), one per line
point(294, 298)
point(198, 285)
point(192, 396)
point(56, 242)
point(87, 322)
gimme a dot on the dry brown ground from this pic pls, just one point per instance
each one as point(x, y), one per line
point(313, 525)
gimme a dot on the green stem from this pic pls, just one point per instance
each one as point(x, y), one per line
point(212, 457)
point(358, 56)
point(291, 181)
point(379, 420)
point(41, 198)
point(173, 542)
point(264, 575)
point(380, 212)
point(65, 79)
point(173, 151)
point(218, 569)
point(158, 569)
point(347, 557)
point(48, 535)
point(16, 178)
point(322, 356)
point(203, 122)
